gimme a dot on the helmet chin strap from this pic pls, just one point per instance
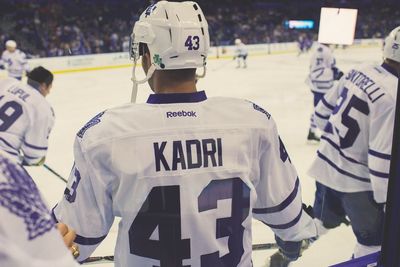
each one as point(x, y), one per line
point(136, 82)
point(202, 75)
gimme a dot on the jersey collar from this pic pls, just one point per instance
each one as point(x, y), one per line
point(389, 69)
point(177, 98)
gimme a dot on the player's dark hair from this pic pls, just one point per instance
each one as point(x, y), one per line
point(40, 75)
point(179, 75)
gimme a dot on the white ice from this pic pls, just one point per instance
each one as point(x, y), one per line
point(275, 82)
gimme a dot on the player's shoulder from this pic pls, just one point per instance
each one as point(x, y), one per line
point(7, 83)
point(20, 53)
point(5, 53)
point(241, 109)
point(378, 84)
point(36, 100)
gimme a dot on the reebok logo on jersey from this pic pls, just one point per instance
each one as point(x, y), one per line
point(173, 114)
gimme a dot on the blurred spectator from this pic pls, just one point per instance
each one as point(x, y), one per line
point(61, 27)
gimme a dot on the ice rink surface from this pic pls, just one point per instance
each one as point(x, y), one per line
point(276, 82)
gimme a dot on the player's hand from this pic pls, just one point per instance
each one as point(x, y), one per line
point(68, 236)
point(39, 163)
point(337, 74)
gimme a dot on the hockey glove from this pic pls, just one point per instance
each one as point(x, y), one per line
point(39, 163)
point(278, 260)
point(337, 74)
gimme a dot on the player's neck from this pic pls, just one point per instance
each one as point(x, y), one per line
point(393, 64)
point(172, 87)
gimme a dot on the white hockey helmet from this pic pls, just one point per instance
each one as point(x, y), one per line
point(391, 48)
point(11, 44)
point(176, 34)
point(238, 41)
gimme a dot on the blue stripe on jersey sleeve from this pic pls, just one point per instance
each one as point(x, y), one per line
point(319, 115)
point(335, 146)
point(379, 174)
point(327, 104)
point(286, 225)
point(35, 147)
point(284, 203)
point(8, 144)
point(379, 154)
point(316, 81)
point(88, 241)
point(333, 165)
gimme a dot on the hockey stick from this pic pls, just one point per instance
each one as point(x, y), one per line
point(55, 173)
point(96, 259)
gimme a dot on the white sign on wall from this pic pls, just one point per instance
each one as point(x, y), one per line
point(337, 25)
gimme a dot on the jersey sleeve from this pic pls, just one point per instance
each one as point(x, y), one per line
point(24, 62)
point(28, 236)
point(35, 144)
point(379, 151)
point(87, 203)
point(326, 106)
point(279, 201)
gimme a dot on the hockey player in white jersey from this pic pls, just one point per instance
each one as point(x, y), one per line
point(323, 73)
point(352, 163)
point(26, 118)
point(14, 60)
point(240, 53)
point(28, 236)
point(185, 173)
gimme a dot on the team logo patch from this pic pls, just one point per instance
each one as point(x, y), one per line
point(260, 109)
point(95, 120)
point(158, 60)
point(395, 46)
point(150, 10)
point(19, 195)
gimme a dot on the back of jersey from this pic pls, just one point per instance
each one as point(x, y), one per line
point(355, 151)
point(15, 63)
point(321, 73)
point(184, 178)
point(25, 120)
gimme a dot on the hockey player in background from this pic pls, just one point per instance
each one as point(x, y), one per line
point(14, 60)
point(323, 73)
point(186, 173)
point(240, 53)
point(28, 236)
point(352, 163)
point(26, 117)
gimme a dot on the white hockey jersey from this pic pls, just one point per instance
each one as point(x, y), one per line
point(241, 50)
point(28, 236)
point(184, 173)
point(26, 119)
point(321, 77)
point(354, 154)
point(15, 62)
